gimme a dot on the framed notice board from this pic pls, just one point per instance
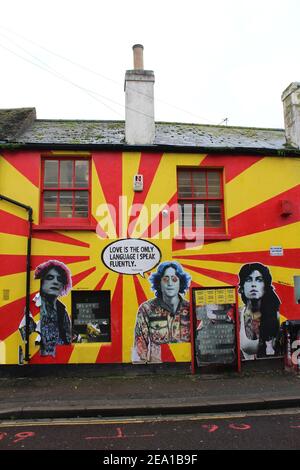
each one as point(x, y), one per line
point(215, 327)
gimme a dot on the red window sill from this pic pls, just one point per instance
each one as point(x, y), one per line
point(89, 227)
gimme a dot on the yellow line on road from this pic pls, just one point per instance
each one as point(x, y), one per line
point(145, 419)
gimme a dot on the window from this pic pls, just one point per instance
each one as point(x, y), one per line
point(65, 190)
point(201, 190)
point(91, 316)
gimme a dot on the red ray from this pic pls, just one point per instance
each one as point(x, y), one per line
point(266, 215)
point(233, 164)
point(140, 294)
point(290, 259)
point(12, 224)
point(59, 238)
point(12, 314)
point(28, 167)
point(80, 276)
point(149, 164)
point(112, 352)
point(101, 282)
point(289, 308)
point(166, 354)
point(12, 264)
point(230, 279)
point(16, 226)
point(62, 356)
point(109, 170)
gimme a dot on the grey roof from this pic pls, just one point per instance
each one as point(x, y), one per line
point(112, 133)
point(14, 121)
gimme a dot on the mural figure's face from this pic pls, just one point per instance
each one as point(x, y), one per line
point(254, 287)
point(170, 283)
point(52, 283)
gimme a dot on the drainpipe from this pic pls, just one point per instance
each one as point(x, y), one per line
point(28, 259)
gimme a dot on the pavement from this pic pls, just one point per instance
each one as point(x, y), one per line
point(82, 393)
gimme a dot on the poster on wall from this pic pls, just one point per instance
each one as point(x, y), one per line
point(165, 318)
point(215, 326)
point(54, 325)
point(260, 332)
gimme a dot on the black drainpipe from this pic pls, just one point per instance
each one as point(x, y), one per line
point(28, 266)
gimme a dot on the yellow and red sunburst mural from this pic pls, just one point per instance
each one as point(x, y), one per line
point(254, 189)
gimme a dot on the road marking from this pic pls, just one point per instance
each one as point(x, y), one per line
point(146, 419)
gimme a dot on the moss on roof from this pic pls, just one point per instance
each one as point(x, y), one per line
point(15, 121)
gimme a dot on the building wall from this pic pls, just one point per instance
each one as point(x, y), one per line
point(254, 188)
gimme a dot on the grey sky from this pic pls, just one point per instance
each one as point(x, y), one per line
point(212, 59)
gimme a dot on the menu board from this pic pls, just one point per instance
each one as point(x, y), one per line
point(90, 316)
point(86, 312)
point(215, 326)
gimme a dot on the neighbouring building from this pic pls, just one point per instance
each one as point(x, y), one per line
point(140, 241)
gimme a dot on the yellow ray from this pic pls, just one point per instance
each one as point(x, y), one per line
point(181, 351)
point(261, 182)
point(16, 285)
point(16, 186)
point(85, 353)
point(12, 244)
point(56, 249)
point(9, 349)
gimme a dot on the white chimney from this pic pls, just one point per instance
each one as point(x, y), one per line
point(291, 107)
point(139, 102)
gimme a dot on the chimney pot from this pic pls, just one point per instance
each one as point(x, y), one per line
point(291, 107)
point(138, 58)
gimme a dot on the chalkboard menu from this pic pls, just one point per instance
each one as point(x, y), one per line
point(215, 326)
point(90, 316)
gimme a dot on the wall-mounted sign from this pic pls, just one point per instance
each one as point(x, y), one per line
point(138, 183)
point(276, 251)
point(131, 256)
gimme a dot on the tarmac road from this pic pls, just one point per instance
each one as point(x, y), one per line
point(270, 429)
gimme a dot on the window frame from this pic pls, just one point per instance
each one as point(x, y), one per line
point(65, 222)
point(209, 232)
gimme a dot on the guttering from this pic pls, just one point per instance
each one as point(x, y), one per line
point(28, 266)
point(277, 152)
